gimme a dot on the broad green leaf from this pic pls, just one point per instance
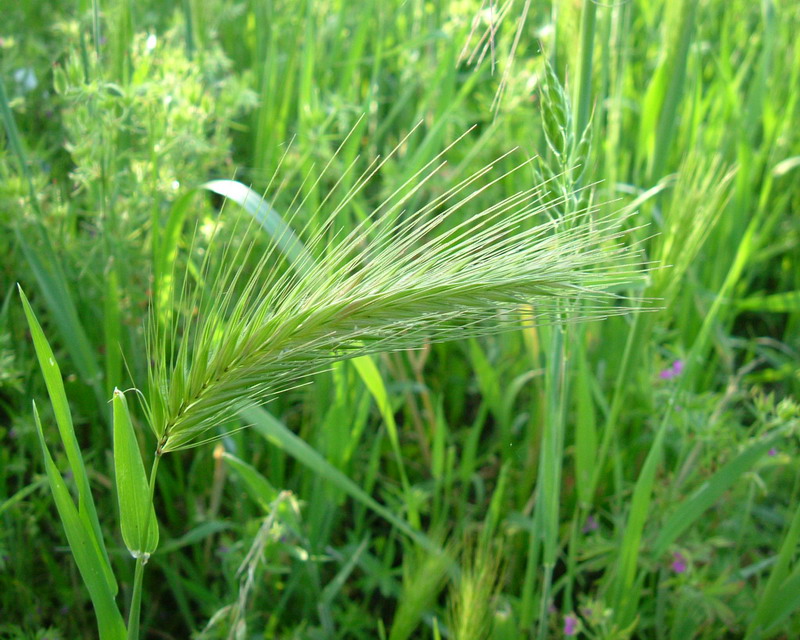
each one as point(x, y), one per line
point(58, 399)
point(55, 389)
point(137, 515)
point(91, 562)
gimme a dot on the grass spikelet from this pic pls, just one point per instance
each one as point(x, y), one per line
point(471, 602)
point(441, 272)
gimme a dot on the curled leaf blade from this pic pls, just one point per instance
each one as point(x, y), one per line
point(137, 515)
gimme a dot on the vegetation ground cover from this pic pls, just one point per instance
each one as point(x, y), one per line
point(633, 474)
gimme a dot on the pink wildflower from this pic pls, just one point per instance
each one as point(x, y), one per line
point(672, 371)
point(679, 563)
point(570, 625)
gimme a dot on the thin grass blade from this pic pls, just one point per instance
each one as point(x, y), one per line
point(709, 492)
point(112, 325)
point(373, 380)
point(270, 220)
point(256, 484)
point(775, 602)
point(92, 564)
point(56, 293)
point(58, 398)
point(785, 603)
point(279, 435)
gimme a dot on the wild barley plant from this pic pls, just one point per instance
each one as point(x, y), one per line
point(259, 324)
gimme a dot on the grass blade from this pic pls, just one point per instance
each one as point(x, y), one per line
point(58, 398)
point(624, 595)
point(165, 244)
point(709, 492)
point(55, 291)
point(785, 602)
point(276, 433)
point(270, 220)
point(112, 325)
point(93, 566)
point(371, 377)
point(256, 484)
point(775, 601)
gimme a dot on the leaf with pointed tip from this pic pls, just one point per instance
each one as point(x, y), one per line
point(58, 399)
point(137, 515)
point(88, 555)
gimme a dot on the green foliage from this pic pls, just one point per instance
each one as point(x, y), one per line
point(636, 476)
point(137, 517)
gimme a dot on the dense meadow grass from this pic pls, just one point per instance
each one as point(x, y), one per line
point(523, 295)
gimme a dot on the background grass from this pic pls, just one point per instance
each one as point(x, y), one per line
point(577, 478)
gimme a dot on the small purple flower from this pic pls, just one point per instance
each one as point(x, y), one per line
point(590, 525)
point(679, 563)
point(570, 625)
point(672, 371)
point(772, 452)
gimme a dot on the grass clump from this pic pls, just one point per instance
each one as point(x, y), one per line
point(632, 477)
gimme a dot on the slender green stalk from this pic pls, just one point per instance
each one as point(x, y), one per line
point(550, 464)
point(630, 358)
point(583, 87)
point(136, 596)
point(96, 33)
point(675, 71)
point(136, 601)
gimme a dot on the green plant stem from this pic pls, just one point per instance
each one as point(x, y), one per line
point(583, 88)
point(630, 356)
point(136, 598)
point(550, 467)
